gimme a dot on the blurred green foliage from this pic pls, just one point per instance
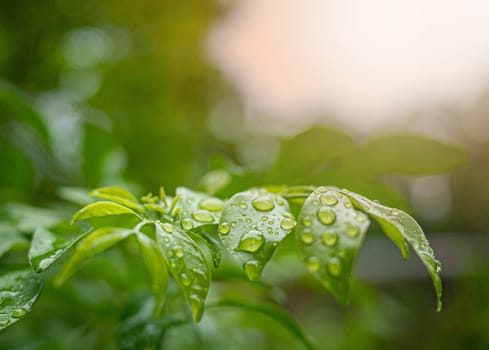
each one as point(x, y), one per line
point(119, 93)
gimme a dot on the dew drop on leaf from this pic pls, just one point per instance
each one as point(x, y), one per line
point(251, 242)
point(211, 204)
point(352, 231)
point(326, 216)
point(313, 264)
point(167, 227)
point(185, 279)
point(224, 228)
point(263, 203)
point(307, 222)
point(334, 267)
point(202, 216)
point(307, 238)
point(328, 199)
point(287, 224)
point(329, 239)
point(252, 270)
point(187, 224)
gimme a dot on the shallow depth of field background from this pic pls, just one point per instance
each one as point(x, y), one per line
point(148, 93)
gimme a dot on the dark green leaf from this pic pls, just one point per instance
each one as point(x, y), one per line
point(401, 227)
point(47, 247)
point(209, 236)
point(187, 265)
point(329, 234)
point(405, 153)
point(305, 154)
point(197, 209)
point(274, 312)
point(156, 264)
point(252, 225)
point(102, 208)
point(117, 195)
point(9, 239)
point(18, 291)
point(93, 243)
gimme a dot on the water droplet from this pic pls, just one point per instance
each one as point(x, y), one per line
point(307, 222)
point(19, 313)
point(307, 237)
point(174, 263)
point(166, 239)
point(326, 216)
point(321, 189)
point(248, 220)
point(334, 267)
point(202, 216)
point(287, 224)
point(185, 279)
point(243, 205)
point(251, 242)
point(263, 203)
point(167, 227)
point(347, 205)
point(330, 239)
point(233, 223)
point(178, 251)
point(280, 202)
point(271, 222)
point(187, 224)
point(252, 269)
point(342, 253)
point(352, 231)
point(361, 217)
point(313, 264)
point(211, 204)
point(264, 218)
point(394, 212)
point(328, 199)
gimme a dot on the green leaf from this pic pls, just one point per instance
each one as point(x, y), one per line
point(102, 208)
point(187, 265)
point(156, 264)
point(274, 312)
point(401, 227)
point(307, 153)
point(18, 292)
point(47, 247)
point(252, 225)
point(405, 153)
point(10, 239)
point(117, 195)
point(209, 236)
point(197, 209)
point(93, 243)
point(329, 234)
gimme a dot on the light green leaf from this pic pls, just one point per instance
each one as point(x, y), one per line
point(18, 292)
point(117, 195)
point(301, 157)
point(401, 227)
point(329, 234)
point(274, 312)
point(156, 264)
point(102, 208)
point(10, 239)
point(197, 209)
point(91, 244)
point(252, 225)
point(405, 153)
point(187, 265)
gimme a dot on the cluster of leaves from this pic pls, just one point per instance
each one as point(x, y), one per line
point(181, 235)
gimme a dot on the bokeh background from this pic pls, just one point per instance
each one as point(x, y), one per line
point(211, 95)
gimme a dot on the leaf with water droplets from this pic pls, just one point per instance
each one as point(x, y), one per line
point(47, 247)
point(156, 264)
point(401, 228)
point(117, 195)
point(10, 239)
point(187, 265)
point(102, 208)
point(252, 225)
point(197, 208)
point(18, 291)
point(329, 234)
point(91, 244)
point(209, 236)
